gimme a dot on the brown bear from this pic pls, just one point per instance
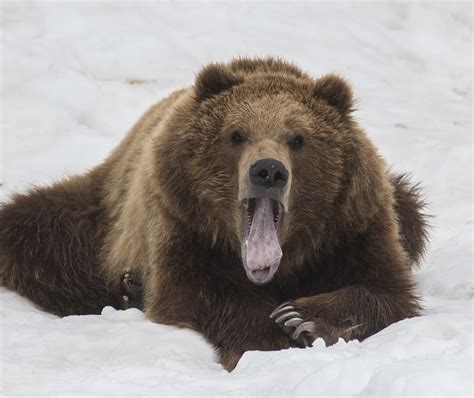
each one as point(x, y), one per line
point(250, 207)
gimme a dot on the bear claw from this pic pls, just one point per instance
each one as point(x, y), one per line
point(282, 307)
point(287, 316)
point(294, 322)
point(304, 327)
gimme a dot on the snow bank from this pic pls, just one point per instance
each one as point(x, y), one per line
point(75, 76)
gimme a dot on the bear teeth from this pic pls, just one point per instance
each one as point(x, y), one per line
point(251, 208)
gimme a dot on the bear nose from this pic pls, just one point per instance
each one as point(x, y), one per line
point(268, 173)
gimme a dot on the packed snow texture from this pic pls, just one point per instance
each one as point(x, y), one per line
point(76, 76)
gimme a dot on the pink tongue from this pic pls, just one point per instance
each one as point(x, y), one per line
point(263, 247)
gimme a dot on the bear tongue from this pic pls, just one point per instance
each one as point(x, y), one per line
point(263, 246)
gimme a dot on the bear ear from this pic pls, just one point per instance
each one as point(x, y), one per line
point(335, 91)
point(214, 79)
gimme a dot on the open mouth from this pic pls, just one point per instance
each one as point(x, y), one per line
point(261, 250)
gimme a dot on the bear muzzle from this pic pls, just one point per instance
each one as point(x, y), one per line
point(263, 193)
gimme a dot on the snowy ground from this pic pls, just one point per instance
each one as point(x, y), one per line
point(76, 76)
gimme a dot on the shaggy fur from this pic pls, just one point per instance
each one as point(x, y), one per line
point(165, 205)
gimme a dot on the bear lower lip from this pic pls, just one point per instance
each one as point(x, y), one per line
point(260, 276)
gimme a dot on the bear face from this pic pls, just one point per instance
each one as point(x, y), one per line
point(264, 162)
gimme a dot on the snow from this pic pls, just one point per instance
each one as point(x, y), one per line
point(76, 76)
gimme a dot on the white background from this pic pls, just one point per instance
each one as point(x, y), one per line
point(76, 76)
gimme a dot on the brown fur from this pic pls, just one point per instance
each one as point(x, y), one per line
point(165, 204)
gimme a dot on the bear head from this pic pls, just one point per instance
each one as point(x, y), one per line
point(266, 160)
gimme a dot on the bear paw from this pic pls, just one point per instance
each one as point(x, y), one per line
point(295, 318)
point(301, 331)
point(132, 291)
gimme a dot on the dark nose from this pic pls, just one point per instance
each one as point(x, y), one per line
point(269, 173)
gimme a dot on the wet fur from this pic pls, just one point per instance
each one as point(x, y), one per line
point(153, 207)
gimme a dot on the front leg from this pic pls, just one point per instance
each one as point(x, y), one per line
point(378, 291)
point(234, 324)
point(215, 299)
point(237, 327)
point(354, 312)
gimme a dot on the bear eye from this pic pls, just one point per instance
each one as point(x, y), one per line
point(237, 137)
point(297, 142)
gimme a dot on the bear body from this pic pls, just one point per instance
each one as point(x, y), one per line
point(251, 206)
